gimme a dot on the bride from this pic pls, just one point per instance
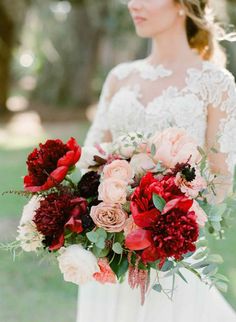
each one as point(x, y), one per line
point(179, 84)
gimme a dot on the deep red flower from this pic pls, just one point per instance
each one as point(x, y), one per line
point(57, 212)
point(171, 232)
point(48, 165)
point(142, 206)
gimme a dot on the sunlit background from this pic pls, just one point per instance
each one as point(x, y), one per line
point(54, 56)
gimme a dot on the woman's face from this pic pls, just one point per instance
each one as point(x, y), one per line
point(152, 17)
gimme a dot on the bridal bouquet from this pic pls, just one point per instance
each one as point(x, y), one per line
point(138, 204)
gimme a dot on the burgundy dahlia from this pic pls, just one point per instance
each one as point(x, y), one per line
point(57, 212)
point(48, 165)
point(88, 185)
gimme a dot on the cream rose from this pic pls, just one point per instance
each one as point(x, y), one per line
point(140, 163)
point(30, 239)
point(111, 217)
point(174, 145)
point(126, 145)
point(112, 191)
point(88, 153)
point(77, 264)
point(119, 169)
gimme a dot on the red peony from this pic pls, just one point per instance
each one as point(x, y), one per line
point(142, 206)
point(57, 212)
point(170, 233)
point(48, 165)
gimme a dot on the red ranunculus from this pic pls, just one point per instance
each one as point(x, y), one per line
point(48, 165)
point(57, 212)
point(170, 233)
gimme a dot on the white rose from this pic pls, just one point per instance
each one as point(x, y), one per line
point(140, 163)
point(88, 153)
point(29, 210)
point(77, 264)
point(30, 239)
point(126, 145)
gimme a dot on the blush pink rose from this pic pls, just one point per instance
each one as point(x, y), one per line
point(119, 169)
point(106, 275)
point(112, 190)
point(174, 145)
point(110, 217)
point(200, 213)
point(191, 188)
point(130, 226)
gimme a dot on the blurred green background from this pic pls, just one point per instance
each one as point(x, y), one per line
point(54, 56)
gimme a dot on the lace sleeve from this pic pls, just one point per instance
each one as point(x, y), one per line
point(100, 125)
point(222, 99)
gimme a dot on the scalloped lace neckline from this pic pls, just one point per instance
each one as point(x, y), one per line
point(145, 66)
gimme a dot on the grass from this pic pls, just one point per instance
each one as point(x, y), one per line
point(36, 292)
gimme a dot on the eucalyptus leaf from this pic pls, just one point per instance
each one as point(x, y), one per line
point(159, 202)
point(153, 150)
point(200, 255)
point(221, 286)
point(157, 288)
point(221, 277)
point(101, 233)
point(117, 248)
point(211, 269)
point(92, 236)
point(168, 265)
point(182, 276)
point(215, 258)
point(100, 243)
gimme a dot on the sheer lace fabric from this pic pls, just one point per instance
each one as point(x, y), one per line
point(142, 102)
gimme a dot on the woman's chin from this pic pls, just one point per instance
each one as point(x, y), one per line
point(143, 33)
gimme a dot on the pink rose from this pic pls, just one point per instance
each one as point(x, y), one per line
point(119, 169)
point(106, 275)
point(200, 213)
point(191, 188)
point(174, 145)
point(112, 191)
point(111, 217)
point(130, 226)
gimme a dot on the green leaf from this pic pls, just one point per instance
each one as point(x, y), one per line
point(98, 252)
point(201, 255)
point(153, 150)
point(221, 277)
point(117, 248)
point(211, 269)
point(157, 288)
point(154, 264)
point(92, 236)
point(119, 237)
point(76, 175)
point(100, 243)
point(234, 180)
point(182, 276)
point(215, 258)
point(101, 233)
point(168, 265)
point(221, 286)
point(119, 266)
point(159, 202)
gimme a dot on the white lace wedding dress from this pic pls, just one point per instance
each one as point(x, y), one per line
point(137, 96)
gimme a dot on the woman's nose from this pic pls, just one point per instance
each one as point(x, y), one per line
point(135, 4)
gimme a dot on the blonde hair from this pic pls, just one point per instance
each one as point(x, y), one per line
point(203, 32)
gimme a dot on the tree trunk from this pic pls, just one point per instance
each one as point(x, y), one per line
point(6, 46)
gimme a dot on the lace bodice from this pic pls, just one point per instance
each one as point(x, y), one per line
point(137, 96)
